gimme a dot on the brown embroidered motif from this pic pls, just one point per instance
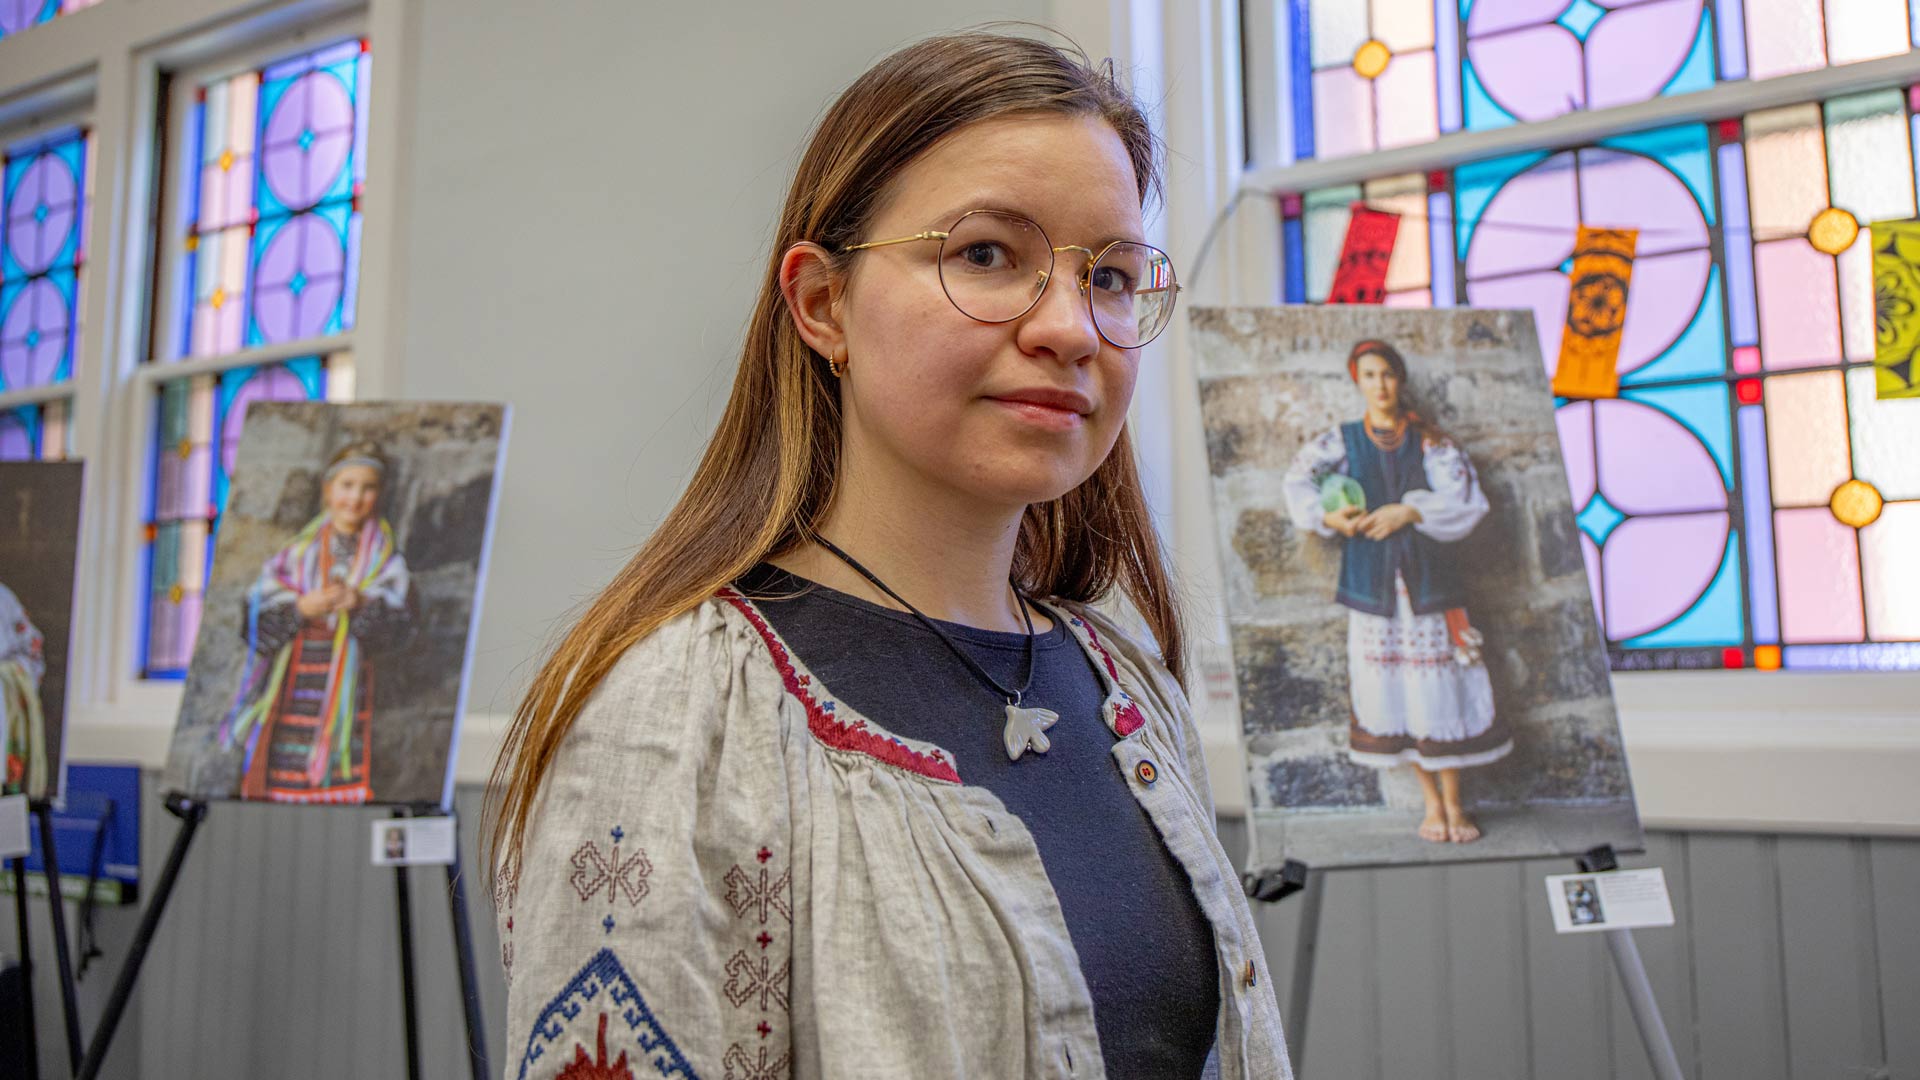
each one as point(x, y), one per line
point(750, 977)
point(743, 1066)
point(594, 870)
point(745, 894)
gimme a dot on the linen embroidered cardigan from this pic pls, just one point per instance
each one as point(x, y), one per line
point(728, 874)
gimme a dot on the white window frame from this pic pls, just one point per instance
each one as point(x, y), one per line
point(112, 57)
point(1792, 751)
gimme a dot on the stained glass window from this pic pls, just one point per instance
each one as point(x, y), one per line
point(43, 247)
point(35, 433)
point(18, 15)
point(275, 168)
point(1373, 74)
point(1747, 499)
point(196, 433)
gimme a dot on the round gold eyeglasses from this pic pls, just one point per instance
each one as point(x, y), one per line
point(994, 266)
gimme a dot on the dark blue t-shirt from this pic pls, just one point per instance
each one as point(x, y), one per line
point(1145, 948)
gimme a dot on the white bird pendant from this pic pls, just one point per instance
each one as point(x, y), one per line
point(1026, 730)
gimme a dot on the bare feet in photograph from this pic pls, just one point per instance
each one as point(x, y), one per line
point(1459, 827)
point(1433, 827)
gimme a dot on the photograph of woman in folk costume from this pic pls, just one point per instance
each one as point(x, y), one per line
point(317, 621)
point(22, 664)
point(1396, 492)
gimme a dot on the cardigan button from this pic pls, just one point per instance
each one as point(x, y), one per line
point(1146, 772)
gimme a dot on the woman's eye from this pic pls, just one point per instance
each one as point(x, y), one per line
point(1112, 279)
point(986, 255)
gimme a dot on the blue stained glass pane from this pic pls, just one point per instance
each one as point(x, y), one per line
point(1580, 17)
point(1714, 619)
point(1475, 185)
point(1300, 68)
point(1697, 72)
point(1482, 113)
point(1682, 151)
point(1293, 235)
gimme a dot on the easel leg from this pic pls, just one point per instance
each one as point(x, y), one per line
point(1306, 947)
point(191, 814)
point(403, 899)
point(463, 955)
point(32, 1047)
point(57, 912)
point(1646, 1012)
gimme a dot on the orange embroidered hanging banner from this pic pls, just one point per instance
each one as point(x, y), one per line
point(1361, 277)
point(1596, 313)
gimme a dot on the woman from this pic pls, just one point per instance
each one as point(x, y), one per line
point(22, 664)
point(339, 592)
point(842, 776)
point(1396, 490)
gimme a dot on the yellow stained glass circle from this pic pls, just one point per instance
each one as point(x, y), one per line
point(185, 448)
point(1856, 503)
point(218, 299)
point(1370, 59)
point(1766, 657)
point(1832, 230)
point(226, 160)
point(176, 594)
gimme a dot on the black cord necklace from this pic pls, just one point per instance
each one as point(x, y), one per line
point(1026, 727)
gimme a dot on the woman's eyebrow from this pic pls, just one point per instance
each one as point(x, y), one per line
point(947, 219)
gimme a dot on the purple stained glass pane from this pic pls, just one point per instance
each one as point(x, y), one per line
point(1533, 73)
point(1650, 463)
point(33, 335)
point(186, 484)
point(17, 15)
point(1529, 222)
point(1575, 422)
point(308, 139)
point(1663, 298)
point(1543, 291)
point(299, 280)
point(268, 384)
point(1618, 188)
point(1494, 16)
point(1634, 52)
point(16, 442)
point(42, 216)
point(1754, 487)
point(1737, 232)
point(1654, 568)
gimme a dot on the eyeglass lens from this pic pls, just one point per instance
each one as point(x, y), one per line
point(994, 267)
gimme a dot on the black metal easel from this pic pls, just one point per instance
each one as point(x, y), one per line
point(191, 813)
point(1293, 876)
point(62, 957)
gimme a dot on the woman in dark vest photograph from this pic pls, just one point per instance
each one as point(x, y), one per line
point(1396, 493)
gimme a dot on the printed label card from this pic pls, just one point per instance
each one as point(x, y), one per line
point(425, 841)
point(1615, 900)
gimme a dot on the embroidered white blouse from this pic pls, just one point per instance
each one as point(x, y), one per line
point(729, 874)
point(1449, 510)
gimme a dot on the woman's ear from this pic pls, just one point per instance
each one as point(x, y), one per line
point(814, 290)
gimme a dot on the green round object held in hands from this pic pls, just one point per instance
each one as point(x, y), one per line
point(1339, 491)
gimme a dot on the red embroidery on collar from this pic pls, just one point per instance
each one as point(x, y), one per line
point(829, 729)
point(1127, 718)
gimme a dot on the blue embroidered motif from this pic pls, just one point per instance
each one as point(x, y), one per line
point(607, 924)
point(617, 834)
point(604, 973)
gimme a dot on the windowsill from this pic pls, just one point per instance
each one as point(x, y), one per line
point(1740, 751)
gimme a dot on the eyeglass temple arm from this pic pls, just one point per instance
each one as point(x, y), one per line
point(930, 234)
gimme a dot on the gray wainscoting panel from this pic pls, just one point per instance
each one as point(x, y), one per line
point(1795, 958)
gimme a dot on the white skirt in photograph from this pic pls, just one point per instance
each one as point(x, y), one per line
point(1413, 700)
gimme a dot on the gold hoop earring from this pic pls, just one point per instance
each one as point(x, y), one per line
point(834, 365)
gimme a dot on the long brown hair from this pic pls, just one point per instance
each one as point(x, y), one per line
point(769, 475)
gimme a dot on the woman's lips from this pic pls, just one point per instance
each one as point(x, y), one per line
point(1051, 417)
